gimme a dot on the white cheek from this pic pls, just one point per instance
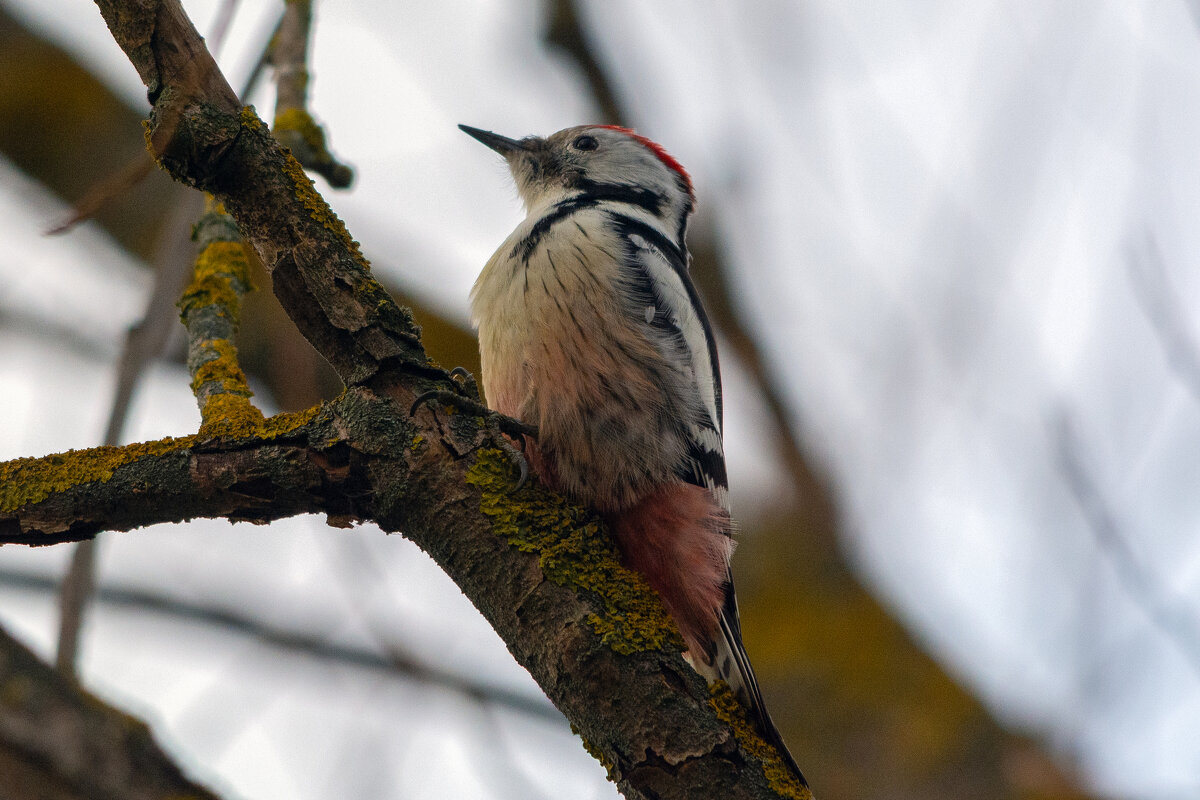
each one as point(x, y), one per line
point(649, 314)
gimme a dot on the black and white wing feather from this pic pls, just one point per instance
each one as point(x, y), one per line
point(657, 273)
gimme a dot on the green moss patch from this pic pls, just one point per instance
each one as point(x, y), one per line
point(730, 711)
point(318, 210)
point(30, 480)
point(574, 551)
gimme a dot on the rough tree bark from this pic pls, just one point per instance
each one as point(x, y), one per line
point(542, 571)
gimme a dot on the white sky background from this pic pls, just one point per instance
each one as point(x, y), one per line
point(935, 211)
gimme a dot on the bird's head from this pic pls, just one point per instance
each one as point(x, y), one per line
point(606, 160)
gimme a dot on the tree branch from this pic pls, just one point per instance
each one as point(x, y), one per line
point(386, 658)
point(203, 137)
point(72, 496)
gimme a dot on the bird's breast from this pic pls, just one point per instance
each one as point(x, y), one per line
point(559, 351)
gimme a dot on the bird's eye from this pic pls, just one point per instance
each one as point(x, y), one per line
point(585, 142)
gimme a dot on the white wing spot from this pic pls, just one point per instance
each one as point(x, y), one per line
point(650, 314)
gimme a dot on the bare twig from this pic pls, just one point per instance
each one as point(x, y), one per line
point(75, 594)
point(104, 192)
point(294, 126)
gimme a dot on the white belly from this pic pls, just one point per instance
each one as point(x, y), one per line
point(559, 351)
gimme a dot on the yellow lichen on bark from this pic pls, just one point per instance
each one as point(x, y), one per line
point(218, 264)
point(24, 481)
point(210, 308)
point(318, 210)
point(574, 551)
point(250, 119)
point(301, 122)
point(730, 711)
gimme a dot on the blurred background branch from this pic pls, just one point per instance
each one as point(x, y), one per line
point(388, 658)
point(294, 125)
point(60, 743)
point(1174, 615)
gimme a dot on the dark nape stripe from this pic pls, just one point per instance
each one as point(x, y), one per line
point(629, 193)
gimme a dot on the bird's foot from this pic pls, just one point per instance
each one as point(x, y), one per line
point(500, 426)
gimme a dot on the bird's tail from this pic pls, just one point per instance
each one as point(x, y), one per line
point(731, 664)
point(678, 538)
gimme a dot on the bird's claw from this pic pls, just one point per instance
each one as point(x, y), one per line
point(466, 390)
point(518, 459)
point(466, 381)
point(496, 423)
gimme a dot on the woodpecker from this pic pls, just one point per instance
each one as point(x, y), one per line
point(591, 331)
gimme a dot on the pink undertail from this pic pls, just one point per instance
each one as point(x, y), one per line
point(677, 537)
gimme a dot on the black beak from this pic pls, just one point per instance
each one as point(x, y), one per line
point(501, 144)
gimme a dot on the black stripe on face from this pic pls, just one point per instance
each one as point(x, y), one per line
point(592, 194)
point(622, 193)
point(561, 211)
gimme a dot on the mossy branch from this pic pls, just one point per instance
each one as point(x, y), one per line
point(209, 309)
point(294, 126)
point(288, 467)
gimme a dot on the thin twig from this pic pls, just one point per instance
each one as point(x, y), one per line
point(104, 192)
point(294, 126)
point(392, 659)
